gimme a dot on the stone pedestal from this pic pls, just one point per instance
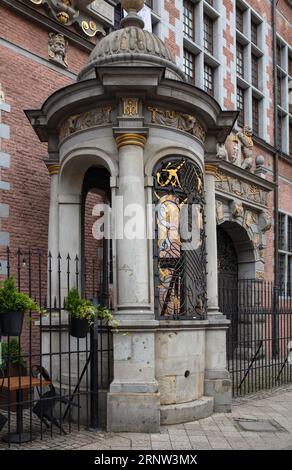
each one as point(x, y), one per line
point(134, 401)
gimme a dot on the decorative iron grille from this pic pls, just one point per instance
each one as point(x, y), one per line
point(180, 254)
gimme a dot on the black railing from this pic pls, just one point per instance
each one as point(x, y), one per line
point(259, 339)
point(46, 380)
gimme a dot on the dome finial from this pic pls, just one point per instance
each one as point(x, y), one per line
point(132, 7)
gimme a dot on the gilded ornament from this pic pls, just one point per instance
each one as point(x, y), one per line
point(260, 275)
point(131, 107)
point(37, 2)
point(90, 29)
point(63, 17)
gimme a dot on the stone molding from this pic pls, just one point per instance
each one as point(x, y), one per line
point(53, 168)
point(131, 139)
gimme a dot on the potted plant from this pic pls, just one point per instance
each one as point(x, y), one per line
point(13, 306)
point(82, 313)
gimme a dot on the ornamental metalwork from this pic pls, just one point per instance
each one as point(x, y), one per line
point(180, 254)
point(183, 122)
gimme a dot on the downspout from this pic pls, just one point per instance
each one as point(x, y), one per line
point(275, 326)
point(276, 143)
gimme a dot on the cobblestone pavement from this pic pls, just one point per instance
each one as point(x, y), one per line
point(221, 431)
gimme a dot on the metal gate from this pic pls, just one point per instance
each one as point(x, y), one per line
point(260, 340)
point(51, 382)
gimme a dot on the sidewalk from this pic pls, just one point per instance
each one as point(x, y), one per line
point(268, 414)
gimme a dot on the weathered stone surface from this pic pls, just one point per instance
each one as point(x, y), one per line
point(182, 413)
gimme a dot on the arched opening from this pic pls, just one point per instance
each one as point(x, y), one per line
point(95, 248)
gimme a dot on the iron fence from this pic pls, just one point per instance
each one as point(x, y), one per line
point(50, 381)
point(259, 340)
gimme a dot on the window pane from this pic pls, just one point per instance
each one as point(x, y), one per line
point(281, 272)
point(254, 32)
point(239, 59)
point(189, 29)
point(189, 65)
point(208, 79)
point(255, 116)
point(208, 34)
point(279, 54)
point(255, 70)
point(281, 231)
point(290, 234)
point(240, 106)
point(239, 19)
point(279, 91)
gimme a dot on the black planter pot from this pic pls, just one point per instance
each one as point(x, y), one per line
point(78, 327)
point(11, 323)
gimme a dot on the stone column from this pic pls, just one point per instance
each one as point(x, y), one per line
point(133, 400)
point(132, 253)
point(53, 232)
point(217, 378)
point(211, 241)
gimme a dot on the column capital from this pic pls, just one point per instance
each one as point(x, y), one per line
point(131, 138)
point(210, 169)
point(53, 168)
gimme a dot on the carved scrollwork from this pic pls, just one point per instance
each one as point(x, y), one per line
point(183, 122)
point(83, 121)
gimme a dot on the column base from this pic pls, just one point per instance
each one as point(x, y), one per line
point(133, 412)
point(217, 384)
point(187, 412)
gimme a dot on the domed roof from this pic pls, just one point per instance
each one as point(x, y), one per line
point(134, 46)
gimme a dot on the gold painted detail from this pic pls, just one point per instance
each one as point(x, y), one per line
point(37, 2)
point(53, 168)
point(80, 122)
point(171, 177)
point(63, 17)
point(234, 185)
point(131, 107)
point(260, 275)
point(183, 122)
point(89, 28)
point(131, 139)
point(210, 169)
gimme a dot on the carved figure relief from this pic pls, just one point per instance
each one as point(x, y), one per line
point(219, 212)
point(57, 49)
point(86, 120)
point(221, 152)
point(250, 219)
point(184, 122)
point(245, 137)
point(237, 209)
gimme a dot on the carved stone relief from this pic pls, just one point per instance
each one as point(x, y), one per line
point(183, 122)
point(237, 209)
point(57, 48)
point(219, 212)
point(79, 122)
point(240, 149)
point(235, 186)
